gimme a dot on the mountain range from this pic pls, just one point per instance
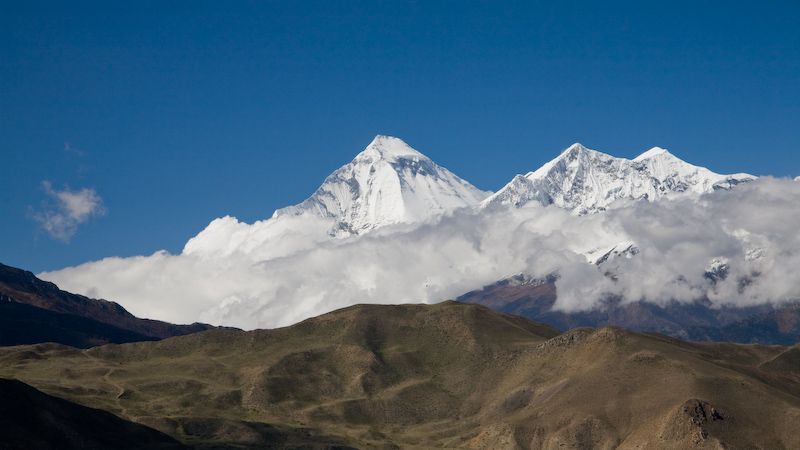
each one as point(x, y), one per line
point(390, 183)
point(618, 222)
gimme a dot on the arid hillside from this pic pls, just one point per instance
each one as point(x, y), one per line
point(449, 375)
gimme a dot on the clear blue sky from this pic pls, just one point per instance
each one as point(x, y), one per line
point(178, 114)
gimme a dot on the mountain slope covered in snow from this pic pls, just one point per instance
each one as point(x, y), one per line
point(586, 181)
point(386, 184)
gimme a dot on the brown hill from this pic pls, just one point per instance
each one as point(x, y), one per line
point(59, 316)
point(449, 375)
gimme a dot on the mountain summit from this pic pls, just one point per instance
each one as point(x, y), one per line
point(387, 183)
point(586, 181)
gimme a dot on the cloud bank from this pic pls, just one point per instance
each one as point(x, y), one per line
point(295, 272)
point(64, 210)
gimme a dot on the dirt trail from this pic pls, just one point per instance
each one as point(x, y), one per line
point(123, 411)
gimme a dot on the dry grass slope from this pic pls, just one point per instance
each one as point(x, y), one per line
point(449, 375)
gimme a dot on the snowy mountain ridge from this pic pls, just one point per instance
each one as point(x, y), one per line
point(586, 181)
point(390, 183)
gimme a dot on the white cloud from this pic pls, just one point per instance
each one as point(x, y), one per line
point(296, 272)
point(64, 210)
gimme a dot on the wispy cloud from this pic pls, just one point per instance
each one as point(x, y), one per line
point(72, 150)
point(64, 210)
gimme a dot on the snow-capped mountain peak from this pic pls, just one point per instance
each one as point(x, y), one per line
point(389, 148)
point(573, 151)
point(387, 183)
point(652, 153)
point(586, 181)
point(676, 175)
point(573, 154)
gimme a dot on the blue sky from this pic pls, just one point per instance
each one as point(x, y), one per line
point(176, 115)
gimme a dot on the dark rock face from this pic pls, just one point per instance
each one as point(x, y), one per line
point(696, 321)
point(32, 420)
point(701, 412)
point(35, 311)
